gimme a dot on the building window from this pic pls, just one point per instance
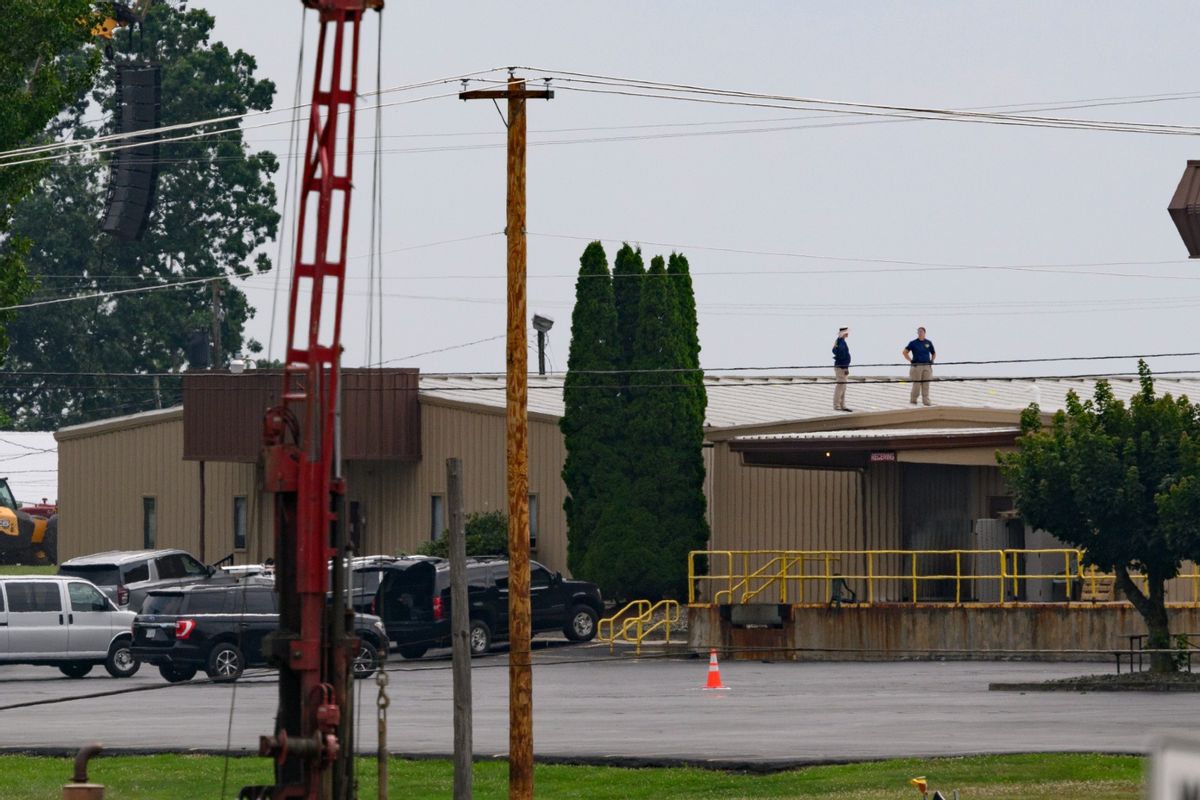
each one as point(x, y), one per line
point(437, 517)
point(239, 523)
point(149, 523)
point(533, 521)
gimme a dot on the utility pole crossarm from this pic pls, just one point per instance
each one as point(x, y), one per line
point(507, 94)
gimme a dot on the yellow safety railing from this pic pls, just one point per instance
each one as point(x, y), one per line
point(635, 623)
point(635, 609)
point(821, 576)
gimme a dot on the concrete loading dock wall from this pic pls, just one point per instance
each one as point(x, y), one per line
point(1041, 632)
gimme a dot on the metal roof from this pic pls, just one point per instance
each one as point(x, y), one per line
point(878, 433)
point(743, 400)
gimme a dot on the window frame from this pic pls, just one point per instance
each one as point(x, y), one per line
point(241, 520)
point(437, 517)
point(149, 521)
point(534, 507)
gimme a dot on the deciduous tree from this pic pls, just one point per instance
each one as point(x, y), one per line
point(1121, 482)
point(214, 212)
point(46, 64)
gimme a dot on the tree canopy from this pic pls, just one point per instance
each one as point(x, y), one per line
point(1120, 481)
point(46, 64)
point(214, 211)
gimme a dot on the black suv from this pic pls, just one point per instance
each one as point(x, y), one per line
point(220, 629)
point(413, 598)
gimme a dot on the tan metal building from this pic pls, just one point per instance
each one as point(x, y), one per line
point(785, 471)
point(189, 476)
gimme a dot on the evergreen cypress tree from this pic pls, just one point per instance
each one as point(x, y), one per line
point(628, 275)
point(681, 283)
point(664, 436)
point(591, 420)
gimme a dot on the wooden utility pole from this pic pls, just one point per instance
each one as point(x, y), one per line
point(520, 672)
point(460, 627)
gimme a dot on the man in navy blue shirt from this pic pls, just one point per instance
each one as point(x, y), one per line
point(921, 355)
point(841, 368)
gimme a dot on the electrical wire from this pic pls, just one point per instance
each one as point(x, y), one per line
point(943, 265)
point(710, 371)
point(715, 383)
point(805, 115)
point(293, 145)
point(115, 137)
point(851, 107)
point(146, 140)
point(114, 293)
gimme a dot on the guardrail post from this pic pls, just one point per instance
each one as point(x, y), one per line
point(1003, 574)
point(957, 578)
point(1067, 573)
point(691, 577)
point(870, 577)
point(914, 577)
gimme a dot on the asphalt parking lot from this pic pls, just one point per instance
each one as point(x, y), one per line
point(591, 707)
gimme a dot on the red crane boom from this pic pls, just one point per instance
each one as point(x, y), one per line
point(311, 744)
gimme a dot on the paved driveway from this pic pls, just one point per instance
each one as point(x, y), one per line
point(592, 708)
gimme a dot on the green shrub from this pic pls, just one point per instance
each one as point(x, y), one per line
point(487, 535)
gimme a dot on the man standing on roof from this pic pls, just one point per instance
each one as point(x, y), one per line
point(921, 354)
point(841, 369)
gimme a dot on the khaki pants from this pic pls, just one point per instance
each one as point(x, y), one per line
point(920, 375)
point(839, 392)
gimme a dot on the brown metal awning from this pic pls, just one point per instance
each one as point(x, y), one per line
point(223, 414)
point(842, 450)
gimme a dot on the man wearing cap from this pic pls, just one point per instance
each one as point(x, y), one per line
point(920, 354)
point(841, 369)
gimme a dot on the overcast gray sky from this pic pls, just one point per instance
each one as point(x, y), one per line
point(925, 191)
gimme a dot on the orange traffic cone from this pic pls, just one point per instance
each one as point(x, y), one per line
point(714, 673)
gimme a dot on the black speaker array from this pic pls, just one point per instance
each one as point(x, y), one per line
point(134, 173)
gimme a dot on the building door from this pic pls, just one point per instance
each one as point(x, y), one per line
point(36, 622)
point(935, 503)
point(89, 621)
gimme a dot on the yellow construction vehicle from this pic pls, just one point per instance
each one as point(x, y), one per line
point(28, 534)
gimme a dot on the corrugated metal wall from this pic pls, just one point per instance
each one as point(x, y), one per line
point(889, 506)
point(398, 498)
point(104, 478)
point(105, 475)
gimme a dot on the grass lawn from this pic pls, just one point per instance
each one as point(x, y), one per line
point(1028, 777)
point(11, 569)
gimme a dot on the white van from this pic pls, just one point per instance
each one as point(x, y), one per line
point(66, 623)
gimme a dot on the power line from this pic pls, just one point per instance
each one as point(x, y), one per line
point(706, 370)
point(115, 137)
point(678, 91)
point(147, 140)
point(918, 265)
point(715, 382)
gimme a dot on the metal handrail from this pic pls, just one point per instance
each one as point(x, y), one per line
point(785, 570)
point(633, 629)
point(643, 606)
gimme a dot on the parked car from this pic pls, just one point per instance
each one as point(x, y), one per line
point(220, 629)
point(66, 623)
point(127, 575)
point(413, 599)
